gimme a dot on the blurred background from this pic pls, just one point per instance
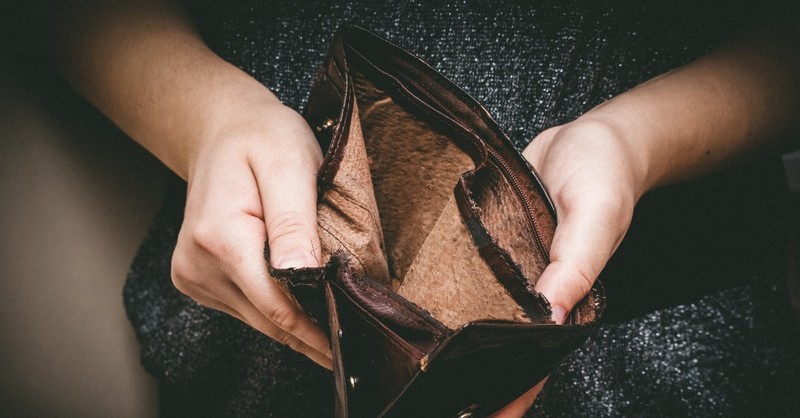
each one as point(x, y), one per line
point(76, 199)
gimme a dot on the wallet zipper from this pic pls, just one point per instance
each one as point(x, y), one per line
point(525, 202)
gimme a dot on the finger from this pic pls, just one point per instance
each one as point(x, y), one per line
point(225, 263)
point(289, 197)
point(519, 406)
point(583, 242)
point(238, 306)
point(253, 317)
point(250, 277)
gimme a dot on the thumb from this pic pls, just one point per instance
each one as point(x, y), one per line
point(289, 200)
point(583, 242)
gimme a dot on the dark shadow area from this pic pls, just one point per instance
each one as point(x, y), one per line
point(78, 197)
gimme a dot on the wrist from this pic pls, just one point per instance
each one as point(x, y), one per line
point(246, 124)
point(622, 145)
point(236, 109)
point(641, 144)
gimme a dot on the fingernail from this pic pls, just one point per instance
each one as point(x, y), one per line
point(295, 259)
point(559, 314)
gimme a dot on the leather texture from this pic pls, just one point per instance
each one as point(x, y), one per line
point(435, 230)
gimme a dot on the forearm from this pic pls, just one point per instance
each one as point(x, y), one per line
point(250, 162)
point(741, 99)
point(147, 69)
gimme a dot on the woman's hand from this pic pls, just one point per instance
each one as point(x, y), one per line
point(593, 179)
point(250, 162)
point(254, 181)
point(590, 176)
point(740, 100)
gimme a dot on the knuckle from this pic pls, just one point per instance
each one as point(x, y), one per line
point(292, 342)
point(214, 240)
point(206, 236)
point(291, 158)
point(287, 339)
point(189, 285)
point(288, 226)
point(286, 318)
point(188, 273)
point(585, 282)
point(182, 274)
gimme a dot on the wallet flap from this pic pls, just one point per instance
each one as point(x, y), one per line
point(420, 370)
point(307, 287)
point(373, 363)
point(483, 367)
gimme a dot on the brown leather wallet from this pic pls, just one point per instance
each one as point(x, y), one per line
point(436, 230)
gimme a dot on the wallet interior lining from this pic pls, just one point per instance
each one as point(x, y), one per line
point(503, 216)
point(430, 253)
point(414, 169)
point(420, 246)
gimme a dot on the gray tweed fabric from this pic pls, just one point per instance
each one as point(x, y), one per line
point(697, 324)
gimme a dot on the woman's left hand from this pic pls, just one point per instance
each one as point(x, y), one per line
point(591, 177)
point(739, 100)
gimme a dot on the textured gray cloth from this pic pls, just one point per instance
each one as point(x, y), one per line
point(696, 325)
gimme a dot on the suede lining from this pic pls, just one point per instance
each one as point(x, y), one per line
point(391, 206)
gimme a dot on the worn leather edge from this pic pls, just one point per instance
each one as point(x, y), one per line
point(477, 347)
point(306, 286)
point(402, 316)
point(485, 366)
point(336, 81)
point(365, 383)
point(449, 93)
point(508, 273)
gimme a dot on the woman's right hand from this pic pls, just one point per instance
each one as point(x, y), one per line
point(250, 162)
point(253, 180)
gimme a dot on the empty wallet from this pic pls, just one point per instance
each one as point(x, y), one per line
point(434, 231)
